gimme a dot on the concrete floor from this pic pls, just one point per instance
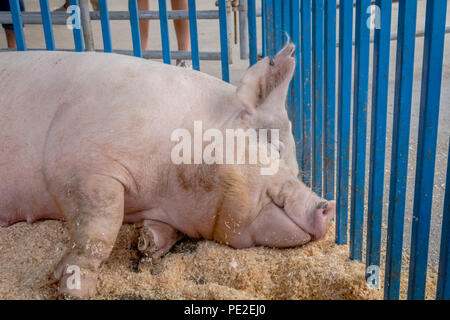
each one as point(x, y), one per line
point(209, 41)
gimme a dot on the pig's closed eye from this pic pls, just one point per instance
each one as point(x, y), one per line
point(279, 146)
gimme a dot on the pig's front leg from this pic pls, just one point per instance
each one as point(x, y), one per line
point(155, 240)
point(93, 206)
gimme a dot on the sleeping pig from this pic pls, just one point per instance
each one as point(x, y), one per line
point(89, 138)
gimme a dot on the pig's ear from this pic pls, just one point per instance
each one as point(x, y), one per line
point(269, 78)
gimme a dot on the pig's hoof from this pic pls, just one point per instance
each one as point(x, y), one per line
point(148, 259)
point(77, 279)
point(146, 241)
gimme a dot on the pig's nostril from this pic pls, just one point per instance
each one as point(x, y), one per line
point(322, 205)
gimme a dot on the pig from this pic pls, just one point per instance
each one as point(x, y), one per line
point(86, 137)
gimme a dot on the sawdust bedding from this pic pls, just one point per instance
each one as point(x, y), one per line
point(192, 270)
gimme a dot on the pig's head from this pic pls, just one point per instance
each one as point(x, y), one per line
point(288, 207)
point(262, 93)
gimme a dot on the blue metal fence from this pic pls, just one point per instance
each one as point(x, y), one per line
point(320, 106)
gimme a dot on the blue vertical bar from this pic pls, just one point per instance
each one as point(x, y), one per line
point(318, 56)
point(164, 31)
point(194, 35)
point(286, 36)
point(361, 82)
point(296, 84)
point(426, 150)
point(263, 27)
point(381, 54)
point(343, 122)
point(17, 23)
point(77, 32)
point(330, 97)
point(287, 17)
point(252, 39)
point(270, 28)
point(443, 284)
point(306, 43)
point(400, 145)
point(224, 40)
point(47, 25)
point(106, 30)
point(278, 19)
point(135, 33)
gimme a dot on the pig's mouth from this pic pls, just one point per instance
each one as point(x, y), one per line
point(307, 237)
point(303, 235)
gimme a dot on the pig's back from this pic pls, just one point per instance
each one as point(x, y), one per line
point(55, 97)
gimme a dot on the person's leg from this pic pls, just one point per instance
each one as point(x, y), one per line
point(182, 26)
point(9, 28)
point(144, 5)
point(11, 38)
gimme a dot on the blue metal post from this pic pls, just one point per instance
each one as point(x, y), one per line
point(426, 149)
point(252, 39)
point(47, 25)
point(381, 54)
point(361, 82)
point(224, 40)
point(296, 84)
point(400, 145)
point(270, 28)
point(263, 27)
point(106, 30)
point(17, 23)
point(318, 56)
point(77, 31)
point(164, 31)
point(135, 32)
point(306, 44)
point(443, 285)
point(286, 19)
point(194, 35)
point(343, 122)
point(330, 98)
point(278, 19)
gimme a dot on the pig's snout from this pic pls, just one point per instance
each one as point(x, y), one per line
point(322, 205)
point(324, 212)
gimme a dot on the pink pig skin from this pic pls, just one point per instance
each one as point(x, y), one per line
point(86, 137)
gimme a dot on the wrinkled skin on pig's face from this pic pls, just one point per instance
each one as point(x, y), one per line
point(277, 210)
point(103, 158)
